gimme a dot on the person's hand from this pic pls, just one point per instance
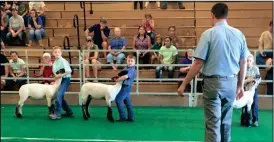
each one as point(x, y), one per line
point(58, 76)
point(33, 19)
point(2, 28)
point(262, 54)
point(181, 90)
point(239, 93)
point(14, 78)
point(13, 34)
point(101, 27)
point(165, 67)
point(249, 79)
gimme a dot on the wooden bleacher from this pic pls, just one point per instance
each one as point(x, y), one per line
point(251, 18)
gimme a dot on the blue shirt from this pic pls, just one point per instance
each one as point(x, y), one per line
point(131, 75)
point(117, 43)
point(221, 47)
point(38, 21)
point(97, 38)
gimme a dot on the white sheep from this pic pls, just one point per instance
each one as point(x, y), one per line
point(100, 91)
point(247, 99)
point(36, 91)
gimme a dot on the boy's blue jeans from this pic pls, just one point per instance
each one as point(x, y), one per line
point(60, 101)
point(124, 96)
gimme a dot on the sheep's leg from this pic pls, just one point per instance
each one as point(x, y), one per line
point(50, 105)
point(87, 106)
point(84, 105)
point(18, 110)
point(109, 113)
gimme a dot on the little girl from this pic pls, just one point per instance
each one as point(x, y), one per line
point(252, 73)
point(46, 70)
point(156, 46)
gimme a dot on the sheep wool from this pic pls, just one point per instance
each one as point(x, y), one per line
point(36, 91)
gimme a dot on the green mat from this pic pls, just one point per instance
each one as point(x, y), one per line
point(152, 124)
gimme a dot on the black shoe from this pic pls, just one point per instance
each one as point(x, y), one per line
point(129, 120)
point(68, 114)
point(182, 7)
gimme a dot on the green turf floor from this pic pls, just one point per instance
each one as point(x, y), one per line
point(152, 124)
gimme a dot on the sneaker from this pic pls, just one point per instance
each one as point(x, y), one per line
point(54, 117)
point(255, 124)
point(121, 120)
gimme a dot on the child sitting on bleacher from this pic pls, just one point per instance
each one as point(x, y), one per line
point(156, 46)
point(46, 70)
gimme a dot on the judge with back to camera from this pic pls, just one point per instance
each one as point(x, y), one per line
point(222, 54)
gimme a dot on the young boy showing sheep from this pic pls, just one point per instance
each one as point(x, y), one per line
point(124, 94)
point(61, 69)
point(252, 74)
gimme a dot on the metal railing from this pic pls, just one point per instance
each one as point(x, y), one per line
point(83, 6)
point(77, 26)
point(193, 95)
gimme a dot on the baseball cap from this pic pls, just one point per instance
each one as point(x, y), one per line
point(88, 38)
point(103, 20)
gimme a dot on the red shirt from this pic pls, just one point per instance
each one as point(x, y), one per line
point(48, 73)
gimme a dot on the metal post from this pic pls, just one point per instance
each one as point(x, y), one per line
point(84, 65)
point(27, 65)
point(137, 78)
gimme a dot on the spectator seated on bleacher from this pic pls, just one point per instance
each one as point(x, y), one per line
point(148, 23)
point(4, 24)
point(142, 42)
point(23, 10)
point(16, 34)
point(185, 68)
point(91, 57)
point(117, 44)
point(174, 38)
point(36, 29)
point(46, 70)
point(155, 54)
point(265, 43)
point(99, 33)
point(17, 70)
point(4, 69)
point(168, 55)
point(40, 7)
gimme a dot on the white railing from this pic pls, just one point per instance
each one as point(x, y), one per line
point(193, 95)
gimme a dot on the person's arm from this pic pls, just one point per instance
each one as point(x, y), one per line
point(6, 71)
point(241, 77)
point(149, 45)
point(133, 43)
point(103, 35)
point(151, 22)
point(10, 28)
point(261, 44)
point(90, 31)
point(257, 76)
point(67, 69)
point(174, 54)
point(37, 25)
point(124, 77)
point(184, 69)
point(161, 57)
point(26, 11)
